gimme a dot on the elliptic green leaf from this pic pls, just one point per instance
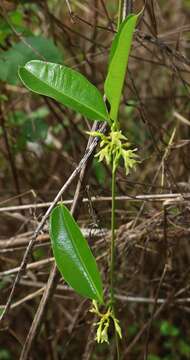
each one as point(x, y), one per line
point(73, 255)
point(118, 61)
point(65, 85)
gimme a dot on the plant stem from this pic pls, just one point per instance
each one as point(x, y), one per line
point(120, 11)
point(112, 257)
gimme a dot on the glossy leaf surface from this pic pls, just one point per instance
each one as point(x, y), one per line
point(118, 61)
point(73, 256)
point(65, 85)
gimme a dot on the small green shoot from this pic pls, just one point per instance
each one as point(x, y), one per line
point(67, 86)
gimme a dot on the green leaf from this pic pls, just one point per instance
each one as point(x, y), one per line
point(36, 47)
point(73, 255)
point(100, 172)
point(65, 85)
point(184, 348)
point(17, 118)
point(35, 129)
point(167, 329)
point(15, 18)
point(118, 61)
point(153, 357)
point(3, 98)
point(5, 354)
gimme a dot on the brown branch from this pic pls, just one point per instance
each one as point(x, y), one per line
point(45, 217)
point(54, 275)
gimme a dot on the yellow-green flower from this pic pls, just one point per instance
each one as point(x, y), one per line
point(114, 147)
point(104, 323)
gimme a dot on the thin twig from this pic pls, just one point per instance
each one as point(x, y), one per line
point(30, 266)
point(54, 275)
point(45, 217)
point(146, 197)
point(49, 290)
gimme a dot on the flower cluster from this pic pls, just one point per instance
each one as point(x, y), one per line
point(103, 324)
point(115, 146)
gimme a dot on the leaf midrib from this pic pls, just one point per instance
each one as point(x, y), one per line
point(55, 89)
point(81, 261)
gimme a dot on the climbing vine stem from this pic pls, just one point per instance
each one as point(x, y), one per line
point(114, 147)
point(112, 249)
point(120, 13)
point(112, 256)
